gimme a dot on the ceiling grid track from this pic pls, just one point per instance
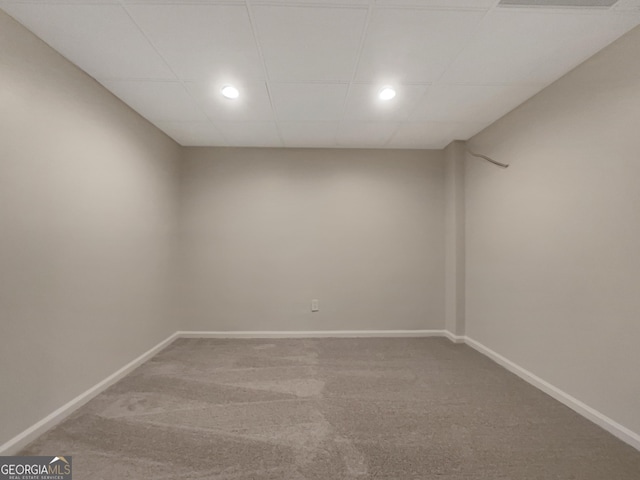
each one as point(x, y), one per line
point(177, 77)
point(265, 70)
point(429, 91)
point(363, 38)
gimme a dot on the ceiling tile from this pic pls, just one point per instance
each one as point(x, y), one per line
point(308, 134)
point(251, 134)
point(101, 39)
point(364, 105)
point(365, 134)
point(193, 134)
point(505, 51)
point(309, 44)
point(157, 101)
point(202, 42)
point(406, 45)
point(433, 134)
point(470, 103)
point(308, 102)
point(253, 104)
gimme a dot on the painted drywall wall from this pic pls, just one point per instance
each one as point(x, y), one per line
point(454, 155)
point(553, 257)
point(87, 211)
point(265, 231)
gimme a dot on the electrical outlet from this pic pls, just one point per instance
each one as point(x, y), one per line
point(314, 305)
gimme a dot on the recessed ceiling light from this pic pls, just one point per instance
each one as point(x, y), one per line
point(230, 91)
point(387, 93)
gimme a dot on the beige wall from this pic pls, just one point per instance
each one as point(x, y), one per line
point(267, 230)
point(87, 202)
point(553, 242)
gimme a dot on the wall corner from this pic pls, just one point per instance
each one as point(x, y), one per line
point(455, 157)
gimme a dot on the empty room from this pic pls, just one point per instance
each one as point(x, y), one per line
point(320, 239)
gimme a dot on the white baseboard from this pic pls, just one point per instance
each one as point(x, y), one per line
point(30, 434)
point(454, 338)
point(21, 440)
point(313, 334)
point(611, 426)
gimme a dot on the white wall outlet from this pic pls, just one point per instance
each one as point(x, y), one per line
point(315, 306)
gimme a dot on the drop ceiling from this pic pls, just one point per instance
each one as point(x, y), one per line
point(309, 70)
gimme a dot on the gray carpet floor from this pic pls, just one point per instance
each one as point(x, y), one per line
point(303, 409)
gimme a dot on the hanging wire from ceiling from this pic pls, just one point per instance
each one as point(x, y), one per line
point(484, 157)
